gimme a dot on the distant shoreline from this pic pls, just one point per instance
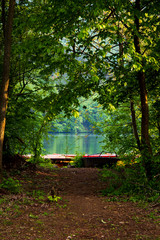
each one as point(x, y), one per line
point(71, 132)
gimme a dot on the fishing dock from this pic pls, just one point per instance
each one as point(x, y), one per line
point(93, 160)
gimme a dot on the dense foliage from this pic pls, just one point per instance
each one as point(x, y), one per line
point(65, 50)
point(86, 118)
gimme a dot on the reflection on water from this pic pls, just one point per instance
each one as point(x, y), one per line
point(65, 143)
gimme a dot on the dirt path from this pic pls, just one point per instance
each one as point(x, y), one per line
point(81, 214)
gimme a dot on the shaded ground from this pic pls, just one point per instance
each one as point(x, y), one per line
point(81, 213)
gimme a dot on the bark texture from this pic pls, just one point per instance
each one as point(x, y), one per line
point(134, 124)
point(146, 149)
point(6, 71)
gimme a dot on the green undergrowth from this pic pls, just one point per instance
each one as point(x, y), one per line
point(11, 184)
point(27, 186)
point(130, 183)
point(42, 162)
point(124, 181)
point(78, 161)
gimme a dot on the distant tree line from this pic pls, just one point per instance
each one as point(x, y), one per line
point(87, 118)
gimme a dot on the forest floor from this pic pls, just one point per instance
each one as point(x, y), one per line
point(77, 211)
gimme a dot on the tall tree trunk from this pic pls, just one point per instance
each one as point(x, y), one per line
point(3, 17)
point(146, 149)
point(5, 75)
point(133, 116)
point(134, 124)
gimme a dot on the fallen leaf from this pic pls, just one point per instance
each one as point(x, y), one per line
point(103, 221)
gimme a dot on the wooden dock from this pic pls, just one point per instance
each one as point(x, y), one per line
point(60, 159)
point(94, 160)
point(90, 160)
point(59, 156)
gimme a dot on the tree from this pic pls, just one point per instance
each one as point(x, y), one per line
point(93, 49)
point(118, 133)
point(7, 31)
point(146, 149)
point(90, 46)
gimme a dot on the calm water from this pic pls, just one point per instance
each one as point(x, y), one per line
point(73, 144)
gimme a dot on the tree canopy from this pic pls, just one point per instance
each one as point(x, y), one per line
point(64, 50)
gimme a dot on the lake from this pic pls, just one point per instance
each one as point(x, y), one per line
point(66, 143)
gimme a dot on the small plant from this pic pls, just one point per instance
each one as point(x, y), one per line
point(78, 161)
point(54, 199)
point(47, 163)
point(39, 222)
point(33, 216)
point(11, 185)
point(38, 194)
point(46, 214)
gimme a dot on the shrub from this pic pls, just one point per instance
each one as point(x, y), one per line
point(11, 185)
point(130, 180)
point(78, 161)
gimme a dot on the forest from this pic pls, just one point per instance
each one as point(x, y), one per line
point(90, 66)
point(57, 54)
